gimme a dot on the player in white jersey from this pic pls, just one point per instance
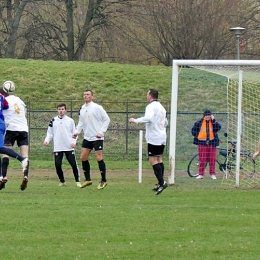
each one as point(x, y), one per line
point(16, 131)
point(60, 130)
point(156, 122)
point(94, 121)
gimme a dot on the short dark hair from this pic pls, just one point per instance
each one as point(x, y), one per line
point(89, 91)
point(3, 92)
point(154, 93)
point(62, 105)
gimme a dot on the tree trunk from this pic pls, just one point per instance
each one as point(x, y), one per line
point(70, 29)
point(13, 24)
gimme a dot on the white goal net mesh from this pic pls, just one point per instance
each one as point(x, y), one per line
point(216, 87)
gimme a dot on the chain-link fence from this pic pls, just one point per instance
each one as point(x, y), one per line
point(121, 138)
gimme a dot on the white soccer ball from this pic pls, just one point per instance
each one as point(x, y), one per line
point(8, 86)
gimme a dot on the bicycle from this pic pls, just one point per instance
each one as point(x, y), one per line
point(247, 163)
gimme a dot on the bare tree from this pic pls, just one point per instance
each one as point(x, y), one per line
point(183, 29)
point(66, 28)
point(127, 31)
point(14, 10)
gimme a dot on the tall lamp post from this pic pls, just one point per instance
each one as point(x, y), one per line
point(237, 31)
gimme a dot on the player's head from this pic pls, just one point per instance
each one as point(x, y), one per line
point(88, 95)
point(152, 94)
point(61, 109)
point(3, 92)
point(62, 105)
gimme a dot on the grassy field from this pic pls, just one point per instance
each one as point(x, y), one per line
point(193, 219)
point(126, 220)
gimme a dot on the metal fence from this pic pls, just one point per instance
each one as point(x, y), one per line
point(122, 138)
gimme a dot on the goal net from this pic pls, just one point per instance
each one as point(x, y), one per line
point(230, 89)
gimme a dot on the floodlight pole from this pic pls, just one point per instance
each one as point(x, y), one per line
point(238, 31)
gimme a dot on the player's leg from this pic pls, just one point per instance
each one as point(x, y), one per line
point(4, 165)
point(22, 140)
point(98, 146)
point(8, 142)
point(155, 158)
point(58, 156)
point(70, 155)
point(160, 161)
point(85, 152)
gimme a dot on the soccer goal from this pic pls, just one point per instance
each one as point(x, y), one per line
point(231, 90)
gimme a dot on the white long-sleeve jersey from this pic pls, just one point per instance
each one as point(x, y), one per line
point(15, 116)
point(60, 130)
point(93, 119)
point(156, 122)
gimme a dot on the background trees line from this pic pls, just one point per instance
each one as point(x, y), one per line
point(127, 31)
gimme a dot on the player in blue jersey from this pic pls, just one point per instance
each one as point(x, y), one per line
point(3, 150)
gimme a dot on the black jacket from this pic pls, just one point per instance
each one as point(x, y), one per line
point(196, 129)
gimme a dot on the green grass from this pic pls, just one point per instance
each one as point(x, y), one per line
point(189, 220)
point(126, 220)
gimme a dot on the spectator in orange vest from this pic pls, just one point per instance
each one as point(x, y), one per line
point(206, 137)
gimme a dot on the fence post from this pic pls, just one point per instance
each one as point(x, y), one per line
point(140, 156)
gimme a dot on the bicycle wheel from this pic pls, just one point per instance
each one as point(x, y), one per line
point(247, 167)
point(193, 166)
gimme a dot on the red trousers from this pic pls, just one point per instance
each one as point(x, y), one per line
point(207, 153)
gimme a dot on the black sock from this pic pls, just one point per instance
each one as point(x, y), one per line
point(158, 173)
point(86, 170)
point(102, 168)
point(5, 163)
point(162, 167)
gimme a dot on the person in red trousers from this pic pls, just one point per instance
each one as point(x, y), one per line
point(206, 137)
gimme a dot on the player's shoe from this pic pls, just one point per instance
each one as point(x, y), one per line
point(161, 188)
point(156, 187)
point(102, 185)
point(3, 182)
point(85, 184)
point(24, 183)
point(78, 184)
point(25, 166)
point(61, 184)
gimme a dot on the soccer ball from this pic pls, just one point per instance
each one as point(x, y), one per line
point(8, 86)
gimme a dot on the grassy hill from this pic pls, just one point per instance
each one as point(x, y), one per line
point(38, 80)
point(53, 80)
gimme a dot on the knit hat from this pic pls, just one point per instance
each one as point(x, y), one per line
point(207, 113)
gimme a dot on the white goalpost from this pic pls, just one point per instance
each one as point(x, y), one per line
point(242, 95)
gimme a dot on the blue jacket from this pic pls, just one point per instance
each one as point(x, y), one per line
point(3, 105)
point(196, 129)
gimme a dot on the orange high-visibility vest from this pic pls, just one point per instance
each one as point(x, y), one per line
point(202, 136)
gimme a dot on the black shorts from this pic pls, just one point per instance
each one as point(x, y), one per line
point(155, 150)
point(21, 138)
point(97, 145)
